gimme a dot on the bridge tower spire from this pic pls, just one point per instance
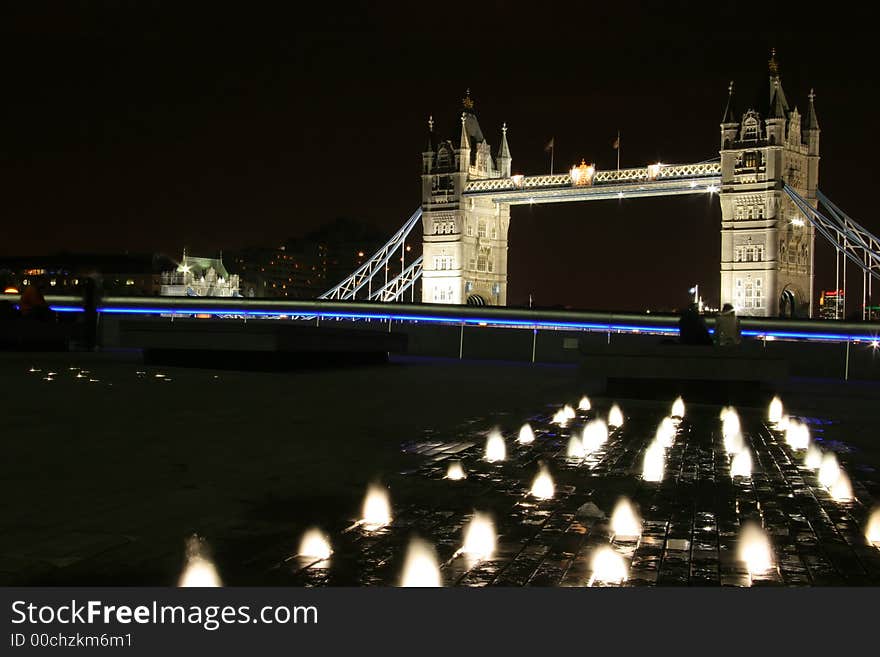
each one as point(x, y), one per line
point(766, 247)
point(464, 246)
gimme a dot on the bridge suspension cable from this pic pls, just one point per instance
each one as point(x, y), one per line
point(364, 275)
point(394, 289)
point(850, 240)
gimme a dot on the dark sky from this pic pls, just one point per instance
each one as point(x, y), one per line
point(147, 127)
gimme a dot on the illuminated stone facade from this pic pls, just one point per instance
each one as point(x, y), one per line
point(767, 248)
point(465, 239)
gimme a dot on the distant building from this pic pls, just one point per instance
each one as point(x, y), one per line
point(274, 272)
point(64, 273)
point(200, 277)
point(305, 267)
point(832, 304)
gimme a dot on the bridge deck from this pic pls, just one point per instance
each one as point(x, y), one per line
point(655, 180)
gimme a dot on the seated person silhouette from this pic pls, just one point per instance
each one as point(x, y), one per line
point(727, 331)
point(692, 327)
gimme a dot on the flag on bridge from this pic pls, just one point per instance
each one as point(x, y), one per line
point(616, 144)
point(550, 145)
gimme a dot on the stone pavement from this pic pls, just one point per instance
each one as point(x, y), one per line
point(691, 520)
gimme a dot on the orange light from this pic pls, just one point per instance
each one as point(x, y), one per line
point(10, 290)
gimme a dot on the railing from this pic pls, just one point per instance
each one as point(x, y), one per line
point(610, 176)
point(518, 318)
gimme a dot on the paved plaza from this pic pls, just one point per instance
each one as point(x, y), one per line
point(110, 466)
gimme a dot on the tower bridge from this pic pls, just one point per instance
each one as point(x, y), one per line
point(766, 179)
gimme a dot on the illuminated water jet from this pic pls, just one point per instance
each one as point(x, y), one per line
point(199, 570)
point(560, 418)
point(584, 404)
point(734, 443)
point(829, 471)
point(841, 490)
point(595, 435)
point(608, 566)
point(315, 545)
point(526, 435)
point(377, 508)
point(813, 458)
point(420, 567)
point(575, 448)
point(543, 487)
point(496, 450)
point(479, 537)
point(783, 423)
point(615, 417)
point(774, 413)
point(797, 435)
point(755, 549)
point(455, 471)
point(654, 462)
point(872, 529)
point(569, 413)
point(730, 424)
point(665, 434)
point(678, 408)
point(741, 466)
point(625, 523)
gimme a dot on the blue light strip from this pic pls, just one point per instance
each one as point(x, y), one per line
point(521, 323)
point(472, 321)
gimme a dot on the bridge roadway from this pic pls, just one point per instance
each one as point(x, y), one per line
point(654, 180)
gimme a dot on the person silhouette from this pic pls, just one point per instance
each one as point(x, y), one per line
point(727, 329)
point(692, 327)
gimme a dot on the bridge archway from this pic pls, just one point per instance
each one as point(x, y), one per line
point(476, 300)
point(788, 302)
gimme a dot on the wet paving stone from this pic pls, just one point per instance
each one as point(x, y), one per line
point(691, 521)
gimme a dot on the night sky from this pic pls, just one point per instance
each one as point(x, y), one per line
point(144, 127)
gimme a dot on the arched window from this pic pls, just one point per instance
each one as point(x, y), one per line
point(750, 128)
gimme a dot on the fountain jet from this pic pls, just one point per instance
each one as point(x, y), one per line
point(813, 458)
point(741, 466)
point(734, 443)
point(872, 530)
point(678, 408)
point(797, 435)
point(420, 568)
point(575, 448)
point(829, 471)
point(625, 522)
point(654, 463)
point(774, 413)
point(526, 435)
point(496, 450)
point(608, 566)
point(755, 549)
point(543, 487)
point(199, 571)
point(615, 417)
point(377, 508)
point(665, 434)
point(730, 424)
point(315, 545)
point(455, 471)
point(479, 537)
point(584, 404)
point(841, 490)
point(594, 436)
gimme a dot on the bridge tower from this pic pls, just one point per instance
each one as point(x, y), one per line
point(766, 246)
point(465, 239)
